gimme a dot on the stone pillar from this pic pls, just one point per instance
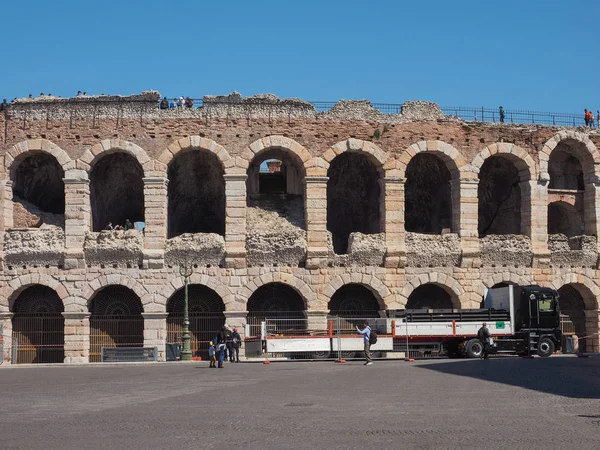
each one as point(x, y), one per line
point(539, 220)
point(465, 219)
point(591, 208)
point(6, 214)
point(155, 214)
point(393, 223)
point(78, 214)
point(235, 220)
point(77, 337)
point(155, 332)
point(316, 320)
point(6, 324)
point(315, 211)
point(592, 327)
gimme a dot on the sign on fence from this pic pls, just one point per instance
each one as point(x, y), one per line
point(129, 354)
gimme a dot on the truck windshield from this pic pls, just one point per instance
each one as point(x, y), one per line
point(545, 303)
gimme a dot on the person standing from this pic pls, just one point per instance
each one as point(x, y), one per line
point(220, 344)
point(483, 334)
point(237, 341)
point(586, 117)
point(229, 343)
point(366, 332)
point(501, 115)
point(211, 355)
point(128, 225)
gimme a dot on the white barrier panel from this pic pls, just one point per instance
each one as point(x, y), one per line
point(501, 328)
point(298, 345)
point(357, 344)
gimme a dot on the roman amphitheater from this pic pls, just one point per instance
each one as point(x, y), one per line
point(283, 210)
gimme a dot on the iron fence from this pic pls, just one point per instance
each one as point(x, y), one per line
point(38, 338)
point(203, 329)
point(114, 331)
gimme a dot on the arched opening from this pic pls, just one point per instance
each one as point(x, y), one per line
point(430, 296)
point(572, 312)
point(116, 190)
point(565, 169)
point(353, 198)
point(280, 305)
point(196, 194)
point(206, 317)
point(499, 195)
point(275, 189)
point(38, 326)
point(354, 300)
point(564, 218)
point(428, 195)
point(116, 320)
point(38, 191)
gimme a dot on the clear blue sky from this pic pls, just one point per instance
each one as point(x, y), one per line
point(524, 54)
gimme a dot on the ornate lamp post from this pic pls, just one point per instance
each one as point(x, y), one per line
point(186, 270)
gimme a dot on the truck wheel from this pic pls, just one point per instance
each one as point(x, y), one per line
point(545, 347)
point(474, 348)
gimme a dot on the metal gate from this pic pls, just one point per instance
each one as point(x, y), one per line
point(203, 328)
point(38, 338)
point(115, 331)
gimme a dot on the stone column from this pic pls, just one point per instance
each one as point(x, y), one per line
point(315, 211)
point(538, 219)
point(235, 220)
point(6, 323)
point(155, 214)
point(591, 209)
point(592, 327)
point(77, 337)
point(393, 223)
point(237, 319)
point(155, 332)
point(6, 214)
point(316, 320)
point(465, 219)
point(77, 217)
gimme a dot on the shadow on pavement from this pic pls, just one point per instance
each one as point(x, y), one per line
point(568, 377)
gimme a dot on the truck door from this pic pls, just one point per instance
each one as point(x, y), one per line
point(543, 312)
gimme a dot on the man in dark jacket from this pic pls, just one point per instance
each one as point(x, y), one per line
point(483, 334)
point(229, 343)
point(220, 346)
point(237, 341)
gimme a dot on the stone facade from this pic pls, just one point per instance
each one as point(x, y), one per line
point(77, 262)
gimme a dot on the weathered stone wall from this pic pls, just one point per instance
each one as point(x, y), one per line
point(293, 248)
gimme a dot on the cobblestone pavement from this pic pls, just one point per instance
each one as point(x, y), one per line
point(500, 403)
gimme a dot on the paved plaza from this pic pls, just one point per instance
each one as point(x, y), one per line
point(500, 403)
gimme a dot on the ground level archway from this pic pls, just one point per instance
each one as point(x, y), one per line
point(430, 296)
point(116, 320)
point(280, 304)
point(206, 317)
point(573, 308)
point(38, 327)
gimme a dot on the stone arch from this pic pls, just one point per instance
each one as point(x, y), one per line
point(375, 154)
point(519, 157)
point(108, 146)
point(446, 282)
point(587, 287)
point(94, 286)
point(10, 291)
point(193, 143)
point(504, 277)
point(381, 292)
point(229, 300)
point(304, 290)
point(590, 158)
point(273, 142)
point(451, 157)
point(19, 151)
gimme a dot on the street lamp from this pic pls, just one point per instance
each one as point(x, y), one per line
point(186, 270)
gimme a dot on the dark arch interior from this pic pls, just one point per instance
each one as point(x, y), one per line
point(38, 326)
point(353, 198)
point(276, 299)
point(572, 305)
point(429, 296)
point(201, 300)
point(354, 300)
point(38, 179)
point(499, 197)
point(565, 219)
point(196, 194)
point(116, 190)
point(428, 195)
point(116, 301)
point(565, 170)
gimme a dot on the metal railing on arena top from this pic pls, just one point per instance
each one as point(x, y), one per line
point(468, 114)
